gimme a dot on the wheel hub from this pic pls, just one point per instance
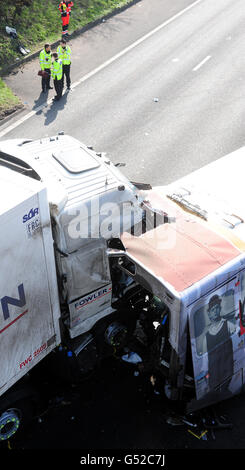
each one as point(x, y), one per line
point(9, 424)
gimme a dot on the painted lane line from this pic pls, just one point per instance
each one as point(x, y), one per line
point(201, 63)
point(135, 44)
point(106, 64)
point(25, 118)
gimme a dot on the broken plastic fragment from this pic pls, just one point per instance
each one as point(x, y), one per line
point(10, 30)
point(153, 380)
point(132, 358)
point(156, 324)
point(201, 436)
point(174, 421)
point(22, 50)
point(167, 390)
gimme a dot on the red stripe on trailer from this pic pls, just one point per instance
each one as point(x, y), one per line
point(12, 322)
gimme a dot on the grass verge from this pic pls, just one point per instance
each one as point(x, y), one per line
point(8, 101)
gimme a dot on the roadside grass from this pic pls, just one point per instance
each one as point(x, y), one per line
point(8, 101)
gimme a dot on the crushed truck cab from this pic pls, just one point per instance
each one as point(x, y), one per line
point(193, 268)
point(95, 266)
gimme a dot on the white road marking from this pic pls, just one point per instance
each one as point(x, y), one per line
point(201, 63)
point(104, 65)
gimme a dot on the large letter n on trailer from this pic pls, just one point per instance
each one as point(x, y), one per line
point(6, 301)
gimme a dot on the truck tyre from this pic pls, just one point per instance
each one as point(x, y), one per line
point(14, 418)
point(9, 423)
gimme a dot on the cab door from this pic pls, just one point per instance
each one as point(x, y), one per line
point(216, 341)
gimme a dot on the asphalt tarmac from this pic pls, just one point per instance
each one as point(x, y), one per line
point(116, 409)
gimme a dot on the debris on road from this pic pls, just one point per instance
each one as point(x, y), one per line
point(173, 421)
point(131, 357)
point(16, 43)
point(203, 435)
point(203, 422)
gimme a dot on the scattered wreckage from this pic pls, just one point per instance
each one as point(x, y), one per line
point(16, 42)
point(94, 265)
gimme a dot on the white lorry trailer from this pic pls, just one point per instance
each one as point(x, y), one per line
point(92, 263)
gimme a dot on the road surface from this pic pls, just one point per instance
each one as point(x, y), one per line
point(159, 87)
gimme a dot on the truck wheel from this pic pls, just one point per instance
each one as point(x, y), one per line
point(9, 423)
point(12, 419)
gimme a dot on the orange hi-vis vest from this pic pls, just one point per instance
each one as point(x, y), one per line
point(63, 9)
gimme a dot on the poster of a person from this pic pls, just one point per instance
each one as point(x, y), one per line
point(219, 329)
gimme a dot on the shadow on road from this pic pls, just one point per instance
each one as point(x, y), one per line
point(42, 99)
point(55, 107)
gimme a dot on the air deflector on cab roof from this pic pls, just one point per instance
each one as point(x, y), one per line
point(76, 159)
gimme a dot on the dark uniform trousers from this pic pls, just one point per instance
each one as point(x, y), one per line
point(46, 80)
point(58, 88)
point(66, 73)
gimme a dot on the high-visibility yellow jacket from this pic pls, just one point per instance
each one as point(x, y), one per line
point(64, 54)
point(45, 60)
point(56, 70)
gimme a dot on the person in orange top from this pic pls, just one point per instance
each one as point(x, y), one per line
point(69, 4)
point(64, 17)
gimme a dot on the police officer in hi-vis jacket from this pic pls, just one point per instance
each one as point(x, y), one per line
point(57, 73)
point(64, 54)
point(45, 60)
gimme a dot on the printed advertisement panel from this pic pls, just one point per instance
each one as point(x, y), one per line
point(26, 320)
point(217, 340)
